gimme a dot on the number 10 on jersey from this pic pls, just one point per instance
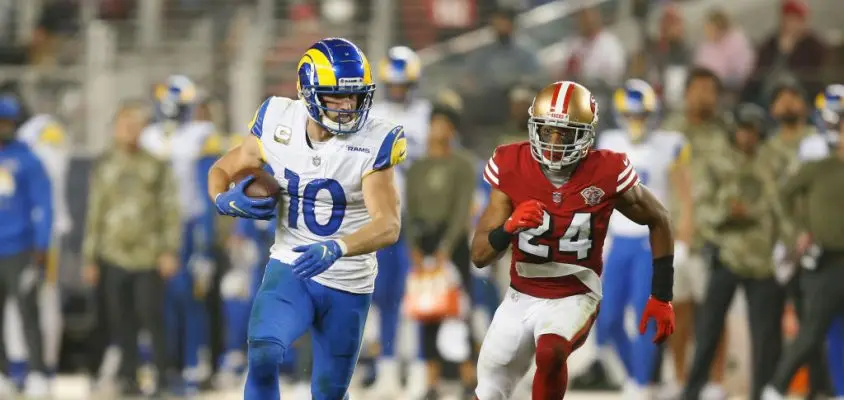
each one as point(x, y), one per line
point(308, 198)
point(577, 238)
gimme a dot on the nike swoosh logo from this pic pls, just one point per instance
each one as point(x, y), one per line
point(236, 208)
point(324, 250)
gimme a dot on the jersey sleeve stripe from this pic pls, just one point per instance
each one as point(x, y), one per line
point(632, 180)
point(491, 165)
point(624, 174)
point(393, 149)
point(489, 177)
point(261, 149)
point(256, 125)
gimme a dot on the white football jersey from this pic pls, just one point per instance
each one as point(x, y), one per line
point(184, 145)
point(415, 117)
point(652, 158)
point(322, 184)
point(46, 137)
point(813, 147)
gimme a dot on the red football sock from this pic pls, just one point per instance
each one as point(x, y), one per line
point(552, 375)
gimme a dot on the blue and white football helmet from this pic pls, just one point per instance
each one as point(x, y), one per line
point(636, 108)
point(335, 66)
point(175, 100)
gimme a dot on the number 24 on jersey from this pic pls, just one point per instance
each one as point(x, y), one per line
point(577, 238)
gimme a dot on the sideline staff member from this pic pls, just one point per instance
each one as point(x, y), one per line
point(132, 237)
point(744, 223)
point(822, 237)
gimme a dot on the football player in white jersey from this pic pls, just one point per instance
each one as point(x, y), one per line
point(192, 147)
point(660, 159)
point(46, 136)
point(399, 72)
point(339, 205)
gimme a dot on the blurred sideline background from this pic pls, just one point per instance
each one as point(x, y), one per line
point(76, 59)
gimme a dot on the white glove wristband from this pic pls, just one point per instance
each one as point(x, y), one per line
point(343, 248)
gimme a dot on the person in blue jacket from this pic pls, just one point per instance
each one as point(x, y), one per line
point(26, 213)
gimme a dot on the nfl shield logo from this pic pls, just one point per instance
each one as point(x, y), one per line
point(316, 161)
point(557, 197)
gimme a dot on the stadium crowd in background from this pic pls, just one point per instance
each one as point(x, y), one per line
point(173, 283)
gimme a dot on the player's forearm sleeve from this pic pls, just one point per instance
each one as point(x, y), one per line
point(662, 281)
point(41, 197)
point(171, 226)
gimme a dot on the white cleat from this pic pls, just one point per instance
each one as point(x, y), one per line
point(670, 391)
point(388, 382)
point(36, 386)
point(713, 391)
point(301, 391)
point(7, 388)
point(633, 391)
point(417, 380)
point(769, 393)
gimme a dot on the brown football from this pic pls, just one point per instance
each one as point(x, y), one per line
point(264, 184)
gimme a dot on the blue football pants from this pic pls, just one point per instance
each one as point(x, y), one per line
point(835, 355)
point(393, 265)
point(287, 306)
point(186, 316)
point(627, 282)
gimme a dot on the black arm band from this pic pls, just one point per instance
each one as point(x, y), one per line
point(662, 281)
point(499, 239)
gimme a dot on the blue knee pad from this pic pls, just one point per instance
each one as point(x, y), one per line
point(262, 378)
point(264, 358)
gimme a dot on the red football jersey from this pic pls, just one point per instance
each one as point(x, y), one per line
point(564, 256)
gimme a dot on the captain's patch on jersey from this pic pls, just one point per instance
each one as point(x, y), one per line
point(282, 134)
point(592, 195)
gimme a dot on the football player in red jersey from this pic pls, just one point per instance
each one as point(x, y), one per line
point(552, 198)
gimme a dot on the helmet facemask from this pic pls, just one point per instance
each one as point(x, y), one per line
point(556, 143)
point(344, 122)
point(831, 124)
point(637, 125)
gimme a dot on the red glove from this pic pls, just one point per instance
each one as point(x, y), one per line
point(662, 312)
point(527, 215)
